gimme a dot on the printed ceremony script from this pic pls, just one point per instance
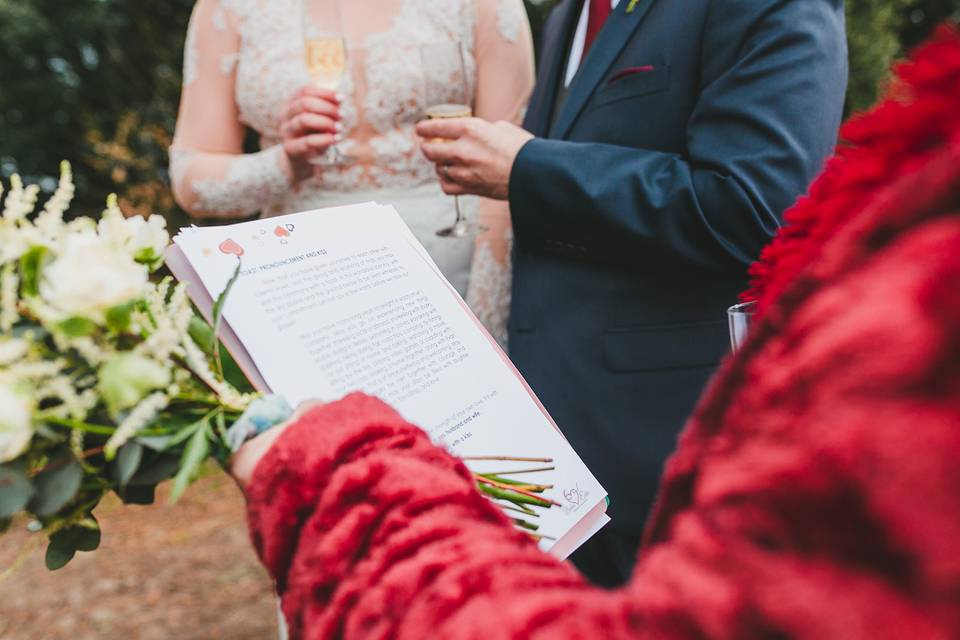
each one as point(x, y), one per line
point(339, 300)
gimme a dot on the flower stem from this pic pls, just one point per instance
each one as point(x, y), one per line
point(513, 495)
point(81, 426)
point(508, 459)
point(511, 472)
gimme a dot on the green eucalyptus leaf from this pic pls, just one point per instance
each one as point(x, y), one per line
point(155, 471)
point(88, 538)
point(196, 451)
point(119, 317)
point(128, 461)
point(65, 543)
point(56, 486)
point(145, 495)
point(15, 490)
point(155, 443)
point(77, 327)
point(31, 265)
point(58, 556)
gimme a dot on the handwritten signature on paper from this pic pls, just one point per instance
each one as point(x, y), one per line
point(575, 498)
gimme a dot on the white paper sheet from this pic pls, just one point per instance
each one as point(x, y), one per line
point(345, 299)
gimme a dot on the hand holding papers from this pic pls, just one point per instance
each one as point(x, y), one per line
point(340, 300)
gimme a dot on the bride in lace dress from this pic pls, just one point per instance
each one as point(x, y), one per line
point(244, 67)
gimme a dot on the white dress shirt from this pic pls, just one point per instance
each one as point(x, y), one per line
point(579, 39)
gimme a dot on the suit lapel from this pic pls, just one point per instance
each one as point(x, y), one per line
point(610, 42)
point(553, 61)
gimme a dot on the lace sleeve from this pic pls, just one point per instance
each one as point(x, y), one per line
point(210, 174)
point(505, 75)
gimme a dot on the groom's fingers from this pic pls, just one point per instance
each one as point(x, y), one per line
point(448, 181)
point(449, 129)
point(442, 153)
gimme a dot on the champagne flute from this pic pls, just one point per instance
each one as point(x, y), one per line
point(325, 46)
point(446, 95)
point(740, 317)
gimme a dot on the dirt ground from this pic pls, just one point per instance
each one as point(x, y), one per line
point(185, 571)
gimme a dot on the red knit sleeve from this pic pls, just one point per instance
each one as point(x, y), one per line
point(812, 496)
point(371, 531)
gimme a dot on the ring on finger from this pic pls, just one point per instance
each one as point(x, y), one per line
point(445, 171)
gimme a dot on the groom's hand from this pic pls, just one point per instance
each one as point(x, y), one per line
point(474, 156)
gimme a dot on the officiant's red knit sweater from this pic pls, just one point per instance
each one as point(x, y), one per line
point(815, 494)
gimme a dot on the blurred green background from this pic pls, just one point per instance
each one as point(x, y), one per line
point(97, 82)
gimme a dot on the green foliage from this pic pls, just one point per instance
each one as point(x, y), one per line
point(15, 490)
point(96, 82)
point(196, 451)
point(873, 41)
point(66, 543)
point(128, 461)
point(30, 263)
point(56, 486)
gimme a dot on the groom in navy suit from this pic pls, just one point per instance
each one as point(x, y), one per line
point(662, 144)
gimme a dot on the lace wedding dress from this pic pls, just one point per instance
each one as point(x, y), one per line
point(244, 60)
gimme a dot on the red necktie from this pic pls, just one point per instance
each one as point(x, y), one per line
point(599, 12)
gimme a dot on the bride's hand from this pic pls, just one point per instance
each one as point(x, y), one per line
point(245, 460)
point(309, 125)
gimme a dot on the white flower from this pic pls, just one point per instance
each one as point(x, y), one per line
point(16, 426)
point(12, 350)
point(138, 419)
point(89, 277)
point(147, 238)
point(143, 238)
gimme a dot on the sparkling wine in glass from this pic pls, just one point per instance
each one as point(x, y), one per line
point(325, 47)
point(446, 95)
point(740, 317)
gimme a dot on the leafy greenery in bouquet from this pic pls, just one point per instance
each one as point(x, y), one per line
point(109, 380)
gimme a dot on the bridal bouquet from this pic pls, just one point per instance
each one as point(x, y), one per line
point(109, 381)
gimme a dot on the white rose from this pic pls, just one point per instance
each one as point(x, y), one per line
point(90, 276)
point(147, 237)
point(144, 238)
point(16, 425)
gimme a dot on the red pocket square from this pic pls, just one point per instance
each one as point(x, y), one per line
point(629, 71)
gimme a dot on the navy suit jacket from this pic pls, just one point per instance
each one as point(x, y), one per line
point(688, 130)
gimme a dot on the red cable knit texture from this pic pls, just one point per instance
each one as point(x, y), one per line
point(815, 493)
point(897, 138)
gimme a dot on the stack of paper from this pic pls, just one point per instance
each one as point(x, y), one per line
point(345, 299)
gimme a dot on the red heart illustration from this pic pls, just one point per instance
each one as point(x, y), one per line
point(230, 247)
point(280, 232)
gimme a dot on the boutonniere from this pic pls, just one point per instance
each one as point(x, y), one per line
point(632, 6)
